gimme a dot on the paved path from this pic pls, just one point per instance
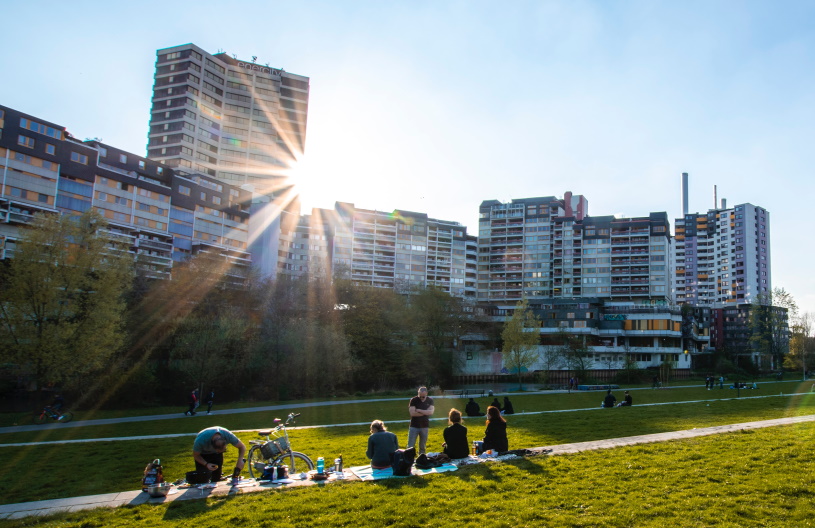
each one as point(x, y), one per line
point(132, 498)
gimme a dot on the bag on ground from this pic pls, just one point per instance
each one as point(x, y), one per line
point(153, 474)
point(402, 461)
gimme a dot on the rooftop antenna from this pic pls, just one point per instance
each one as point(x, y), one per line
point(234, 56)
point(254, 58)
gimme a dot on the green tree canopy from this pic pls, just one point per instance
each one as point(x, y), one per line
point(521, 337)
point(63, 301)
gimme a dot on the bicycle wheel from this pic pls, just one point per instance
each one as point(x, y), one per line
point(66, 417)
point(256, 462)
point(40, 417)
point(297, 462)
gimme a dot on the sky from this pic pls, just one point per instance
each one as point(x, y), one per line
point(435, 106)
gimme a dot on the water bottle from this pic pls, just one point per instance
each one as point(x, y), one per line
point(320, 466)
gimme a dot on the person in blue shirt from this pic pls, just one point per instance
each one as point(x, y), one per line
point(208, 451)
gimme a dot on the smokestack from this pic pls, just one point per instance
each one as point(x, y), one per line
point(715, 197)
point(684, 193)
point(724, 203)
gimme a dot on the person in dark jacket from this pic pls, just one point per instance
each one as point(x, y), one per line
point(455, 437)
point(472, 408)
point(495, 436)
point(495, 403)
point(381, 445)
point(508, 406)
point(627, 401)
point(609, 400)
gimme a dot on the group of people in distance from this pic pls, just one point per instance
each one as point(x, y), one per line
point(473, 409)
point(611, 401)
point(383, 443)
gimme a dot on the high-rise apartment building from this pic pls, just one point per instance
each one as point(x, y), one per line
point(550, 248)
point(403, 249)
point(722, 257)
point(237, 121)
point(165, 217)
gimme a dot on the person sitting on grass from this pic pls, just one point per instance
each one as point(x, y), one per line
point(609, 400)
point(472, 408)
point(455, 437)
point(627, 401)
point(495, 436)
point(381, 445)
point(508, 409)
point(495, 403)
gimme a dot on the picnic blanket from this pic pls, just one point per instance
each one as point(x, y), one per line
point(368, 473)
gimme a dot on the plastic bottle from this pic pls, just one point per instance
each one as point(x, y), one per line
point(320, 466)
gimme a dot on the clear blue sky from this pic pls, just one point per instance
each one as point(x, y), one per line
point(434, 106)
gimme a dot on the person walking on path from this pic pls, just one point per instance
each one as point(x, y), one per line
point(208, 451)
point(192, 401)
point(420, 409)
point(210, 400)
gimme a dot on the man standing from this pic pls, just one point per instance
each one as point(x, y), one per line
point(208, 451)
point(420, 409)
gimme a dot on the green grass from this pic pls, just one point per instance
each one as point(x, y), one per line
point(63, 470)
point(761, 478)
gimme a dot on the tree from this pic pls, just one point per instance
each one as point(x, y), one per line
point(769, 324)
point(438, 320)
point(63, 303)
point(574, 351)
point(376, 326)
point(802, 342)
point(521, 337)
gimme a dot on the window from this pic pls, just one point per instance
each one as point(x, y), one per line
point(203, 196)
point(25, 141)
point(103, 152)
point(79, 158)
point(183, 189)
point(50, 149)
point(141, 165)
point(216, 200)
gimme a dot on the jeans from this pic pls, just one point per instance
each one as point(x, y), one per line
point(212, 458)
point(422, 433)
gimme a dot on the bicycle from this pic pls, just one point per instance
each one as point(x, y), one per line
point(276, 450)
point(52, 414)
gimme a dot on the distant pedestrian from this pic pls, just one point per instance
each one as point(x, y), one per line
point(192, 401)
point(707, 382)
point(210, 400)
point(721, 382)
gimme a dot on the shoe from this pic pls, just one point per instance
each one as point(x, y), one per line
point(186, 413)
point(209, 413)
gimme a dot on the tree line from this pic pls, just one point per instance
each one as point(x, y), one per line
point(79, 314)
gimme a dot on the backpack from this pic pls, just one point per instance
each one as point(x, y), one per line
point(153, 474)
point(402, 461)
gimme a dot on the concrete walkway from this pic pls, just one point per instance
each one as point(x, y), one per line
point(133, 498)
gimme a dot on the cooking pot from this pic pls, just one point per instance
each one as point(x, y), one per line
point(159, 490)
point(198, 477)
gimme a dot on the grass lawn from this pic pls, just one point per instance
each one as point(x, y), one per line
point(761, 478)
point(64, 470)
